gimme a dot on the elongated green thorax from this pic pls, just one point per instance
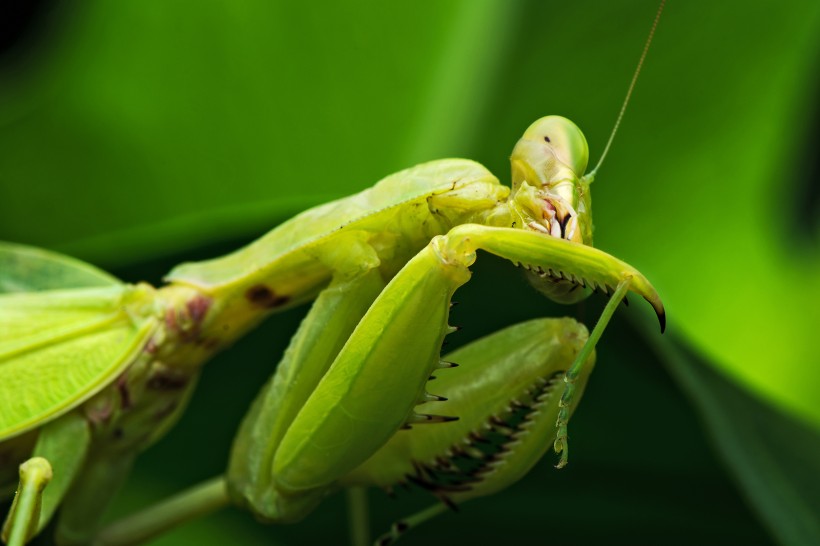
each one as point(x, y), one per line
point(386, 224)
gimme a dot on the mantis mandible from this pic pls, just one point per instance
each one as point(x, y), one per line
point(92, 370)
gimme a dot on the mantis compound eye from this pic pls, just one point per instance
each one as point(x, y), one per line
point(549, 147)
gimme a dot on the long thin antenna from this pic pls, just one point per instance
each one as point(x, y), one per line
point(629, 91)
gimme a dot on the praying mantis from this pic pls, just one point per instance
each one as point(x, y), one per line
point(382, 267)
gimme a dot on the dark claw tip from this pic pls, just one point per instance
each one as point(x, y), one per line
point(660, 311)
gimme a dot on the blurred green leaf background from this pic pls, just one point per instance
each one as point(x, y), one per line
point(135, 135)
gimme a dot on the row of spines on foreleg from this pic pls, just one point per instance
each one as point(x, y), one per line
point(427, 418)
point(469, 460)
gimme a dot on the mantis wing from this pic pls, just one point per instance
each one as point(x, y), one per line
point(30, 269)
point(58, 347)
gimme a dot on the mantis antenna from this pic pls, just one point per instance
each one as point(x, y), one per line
point(629, 90)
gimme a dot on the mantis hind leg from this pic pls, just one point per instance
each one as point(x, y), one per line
point(59, 455)
point(23, 519)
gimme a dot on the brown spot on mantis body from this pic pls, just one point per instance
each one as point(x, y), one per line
point(166, 379)
point(197, 308)
point(262, 296)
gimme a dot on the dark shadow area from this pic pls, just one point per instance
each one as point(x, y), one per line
point(23, 25)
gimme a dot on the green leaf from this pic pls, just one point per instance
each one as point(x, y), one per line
point(139, 130)
point(774, 457)
point(703, 195)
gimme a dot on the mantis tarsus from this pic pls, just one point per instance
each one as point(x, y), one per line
point(382, 266)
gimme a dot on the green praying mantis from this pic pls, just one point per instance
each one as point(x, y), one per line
point(93, 370)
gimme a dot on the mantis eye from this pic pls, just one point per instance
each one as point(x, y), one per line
point(556, 136)
point(552, 149)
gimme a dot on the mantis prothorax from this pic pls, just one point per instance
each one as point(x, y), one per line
point(92, 370)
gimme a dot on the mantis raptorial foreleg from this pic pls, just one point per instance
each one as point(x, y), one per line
point(320, 337)
point(581, 264)
point(506, 392)
point(373, 382)
point(380, 374)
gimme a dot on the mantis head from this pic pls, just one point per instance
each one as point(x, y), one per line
point(550, 190)
point(550, 193)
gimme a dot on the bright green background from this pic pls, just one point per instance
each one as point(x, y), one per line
point(138, 134)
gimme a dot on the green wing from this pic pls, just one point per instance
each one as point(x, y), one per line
point(58, 347)
point(29, 269)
